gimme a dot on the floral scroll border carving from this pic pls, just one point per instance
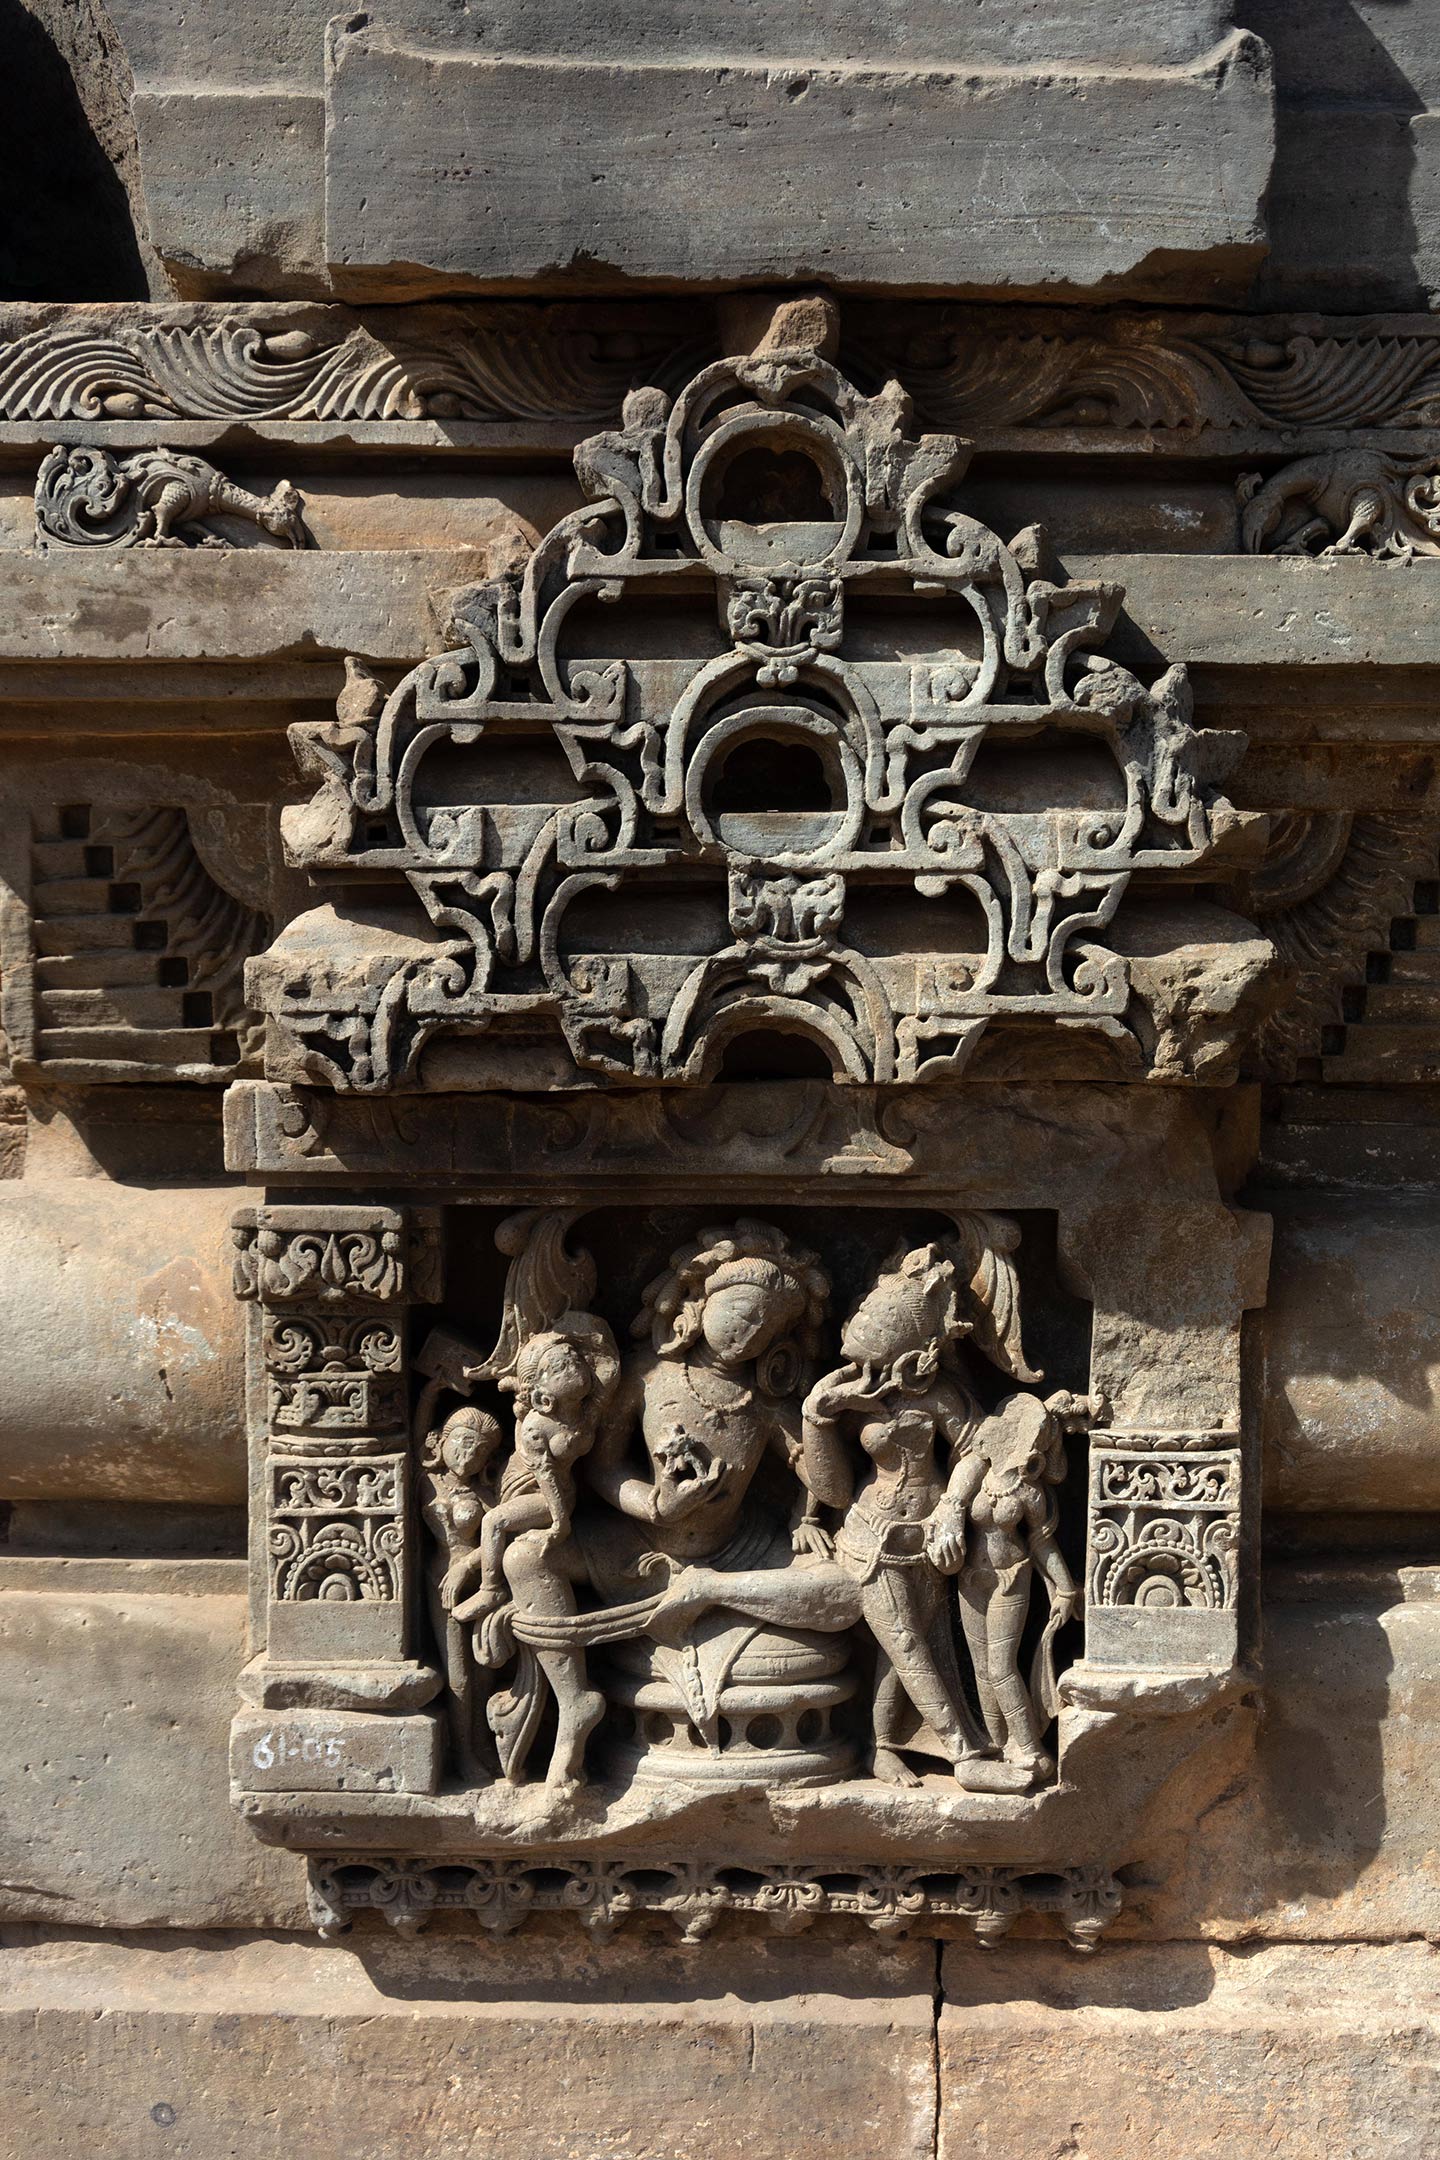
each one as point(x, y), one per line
point(501, 1896)
point(967, 367)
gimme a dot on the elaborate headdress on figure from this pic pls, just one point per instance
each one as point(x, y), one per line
point(673, 1306)
point(933, 1296)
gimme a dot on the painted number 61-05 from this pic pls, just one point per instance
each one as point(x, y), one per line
point(272, 1748)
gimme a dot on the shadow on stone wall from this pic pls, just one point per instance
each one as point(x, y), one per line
point(68, 232)
point(1314, 1835)
point(1342, 229)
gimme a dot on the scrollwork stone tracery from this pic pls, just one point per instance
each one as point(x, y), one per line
point(1014, 775)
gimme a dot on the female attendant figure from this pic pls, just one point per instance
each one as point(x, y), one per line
point(453, 1462)
point(901, 1391)
point(562, 1381)
point(892, 1397)
point(1006, 1484)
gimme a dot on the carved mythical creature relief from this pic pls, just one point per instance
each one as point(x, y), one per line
point(88, 497)
point(561, 854)
point(1343, 502)
point(731, 1561)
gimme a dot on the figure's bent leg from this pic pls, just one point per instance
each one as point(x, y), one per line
point(819, 1596)
point(895, 1612)
point(541, 1582)
point(977, 1588)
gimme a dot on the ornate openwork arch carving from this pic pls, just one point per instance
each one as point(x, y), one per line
point(832, 704)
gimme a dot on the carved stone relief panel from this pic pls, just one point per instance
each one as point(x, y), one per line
point(331, 1475)
point(676, 1517)
point(1213, 381)
point(1343, 502)
point(808, 1462)
point(309, 363)
point(771, 740)
point(87, 497)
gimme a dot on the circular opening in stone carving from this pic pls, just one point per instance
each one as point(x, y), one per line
point(657, 1728)
point(761, 773)
point(811, 1729)
point(772, 494)
point(771, 787)
point(765, 1732)
point(765, 486)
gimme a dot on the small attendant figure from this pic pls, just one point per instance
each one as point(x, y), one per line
point(562, 1381)
point(1005, 1484)
point(453, 1465)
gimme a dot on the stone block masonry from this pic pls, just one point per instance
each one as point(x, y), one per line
point(719, 1084)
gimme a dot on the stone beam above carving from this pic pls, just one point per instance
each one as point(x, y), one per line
point(1237, 617)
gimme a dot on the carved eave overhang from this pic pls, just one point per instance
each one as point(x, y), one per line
point(846, 768)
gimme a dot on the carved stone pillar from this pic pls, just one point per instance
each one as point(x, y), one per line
point(1162, 1571)
point(336, 1682)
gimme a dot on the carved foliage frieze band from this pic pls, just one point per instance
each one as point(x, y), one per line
point(967, 368)
point(325, 364)
point(1160, 375)
point(332, 1256)
point(500, 1896)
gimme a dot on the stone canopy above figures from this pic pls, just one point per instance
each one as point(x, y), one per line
point(772, 760)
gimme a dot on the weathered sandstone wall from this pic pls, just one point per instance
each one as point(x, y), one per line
point(720, 1114)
